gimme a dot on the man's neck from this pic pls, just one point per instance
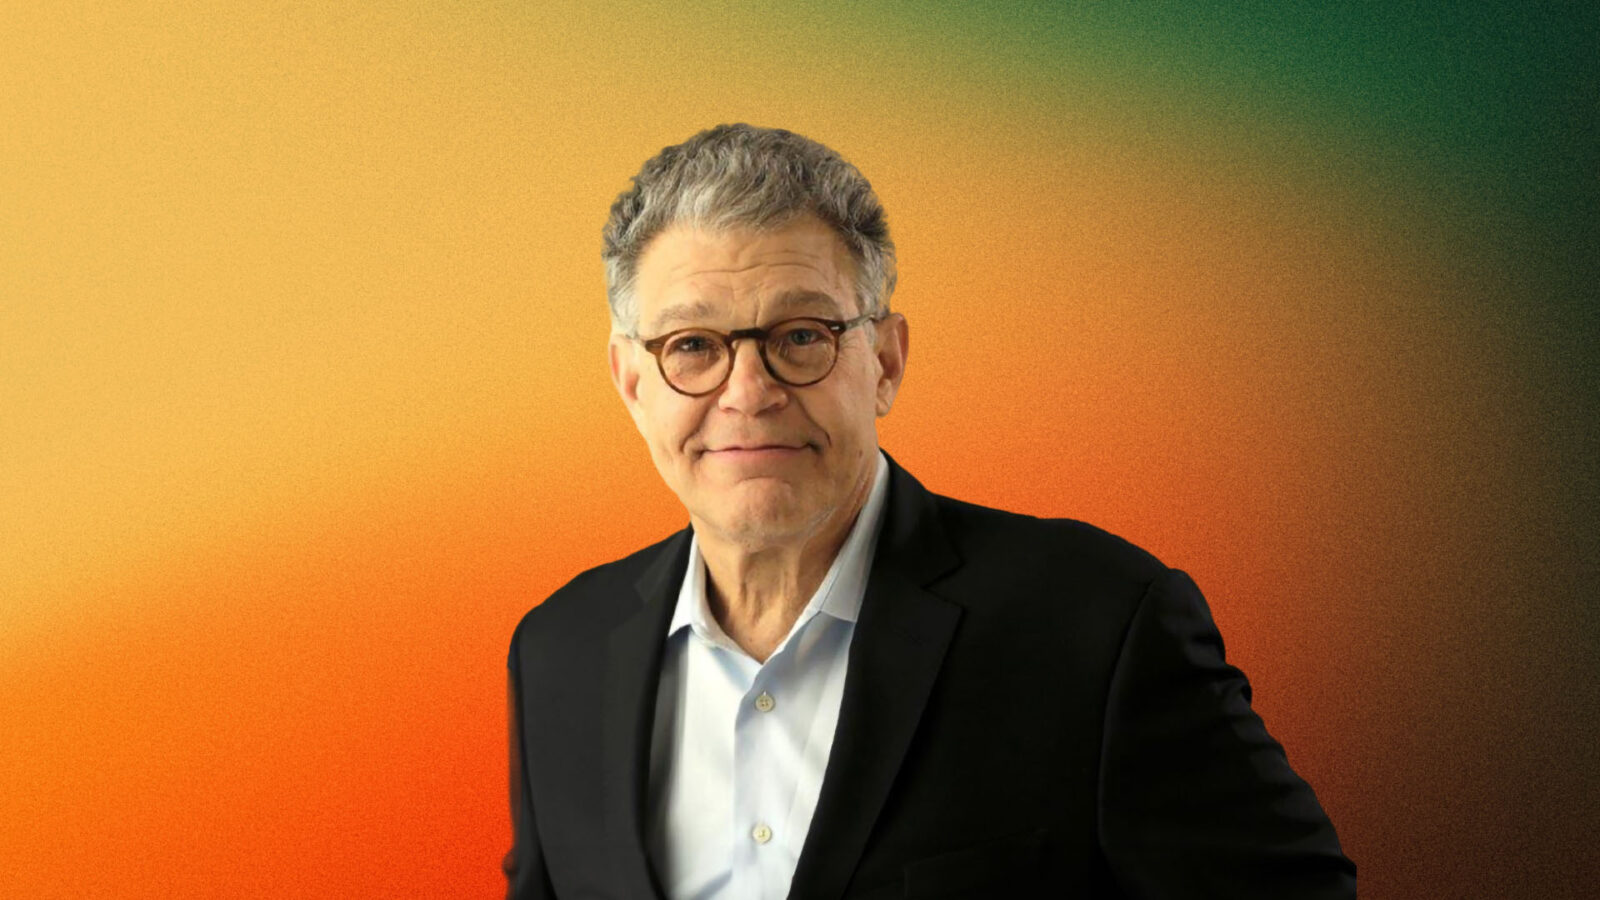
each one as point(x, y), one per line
point(756, 594)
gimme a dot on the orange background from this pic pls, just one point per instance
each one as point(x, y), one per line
point(303, 397)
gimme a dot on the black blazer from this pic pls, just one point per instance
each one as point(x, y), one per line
point(1033, 708)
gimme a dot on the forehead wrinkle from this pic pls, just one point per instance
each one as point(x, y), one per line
point(770, 258)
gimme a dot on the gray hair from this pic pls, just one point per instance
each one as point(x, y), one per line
point(739, 175)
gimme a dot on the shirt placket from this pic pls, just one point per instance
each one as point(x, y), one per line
point(744, 877)
point(763, 790)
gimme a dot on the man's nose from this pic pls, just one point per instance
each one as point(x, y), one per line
point(750, 388)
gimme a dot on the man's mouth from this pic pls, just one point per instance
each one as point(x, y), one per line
point(756, 453)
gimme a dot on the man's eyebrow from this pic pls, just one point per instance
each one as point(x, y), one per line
point(793, 298)
point(696, 311)
point(691, 312)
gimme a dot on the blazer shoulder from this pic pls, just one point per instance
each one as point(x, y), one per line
point(1067, 546)
point(592, 601)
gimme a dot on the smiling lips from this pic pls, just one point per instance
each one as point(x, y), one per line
point(733, 447)
point(755, 452)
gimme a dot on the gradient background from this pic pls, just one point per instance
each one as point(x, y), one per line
point(303, 397)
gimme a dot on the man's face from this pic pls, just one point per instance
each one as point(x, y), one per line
point(756, 461)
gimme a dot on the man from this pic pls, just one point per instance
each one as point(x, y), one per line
point(834, 683)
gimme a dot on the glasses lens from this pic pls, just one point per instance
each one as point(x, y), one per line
point(801, 351)
point(694, 361)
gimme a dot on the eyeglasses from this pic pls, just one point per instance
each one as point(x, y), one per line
point(797, 352)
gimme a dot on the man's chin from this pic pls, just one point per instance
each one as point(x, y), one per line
point(755, 524)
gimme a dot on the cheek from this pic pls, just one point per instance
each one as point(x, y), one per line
point(857, 408)
point(670, 421)
point(846, 420)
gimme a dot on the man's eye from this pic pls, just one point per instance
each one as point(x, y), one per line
point(690, 345)
point(802, 337)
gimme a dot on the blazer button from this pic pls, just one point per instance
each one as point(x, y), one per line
point(761, 833)
point(765, 703)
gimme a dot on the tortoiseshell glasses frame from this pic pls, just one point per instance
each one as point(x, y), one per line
point(812, 352)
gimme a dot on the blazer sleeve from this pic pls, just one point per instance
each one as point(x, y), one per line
point(1196, 798)
point(524, 866)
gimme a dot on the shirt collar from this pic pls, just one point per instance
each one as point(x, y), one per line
point(842, 589)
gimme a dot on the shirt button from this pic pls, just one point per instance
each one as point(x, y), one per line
point(761, 833)
point(765, 703)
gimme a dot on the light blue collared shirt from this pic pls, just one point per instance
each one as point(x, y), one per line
point(740, 747)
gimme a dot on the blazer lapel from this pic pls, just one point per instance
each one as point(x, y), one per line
point(899, 645)
point(632, 672)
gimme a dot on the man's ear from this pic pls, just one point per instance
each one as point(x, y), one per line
point(624, 372)
point(894, 344)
